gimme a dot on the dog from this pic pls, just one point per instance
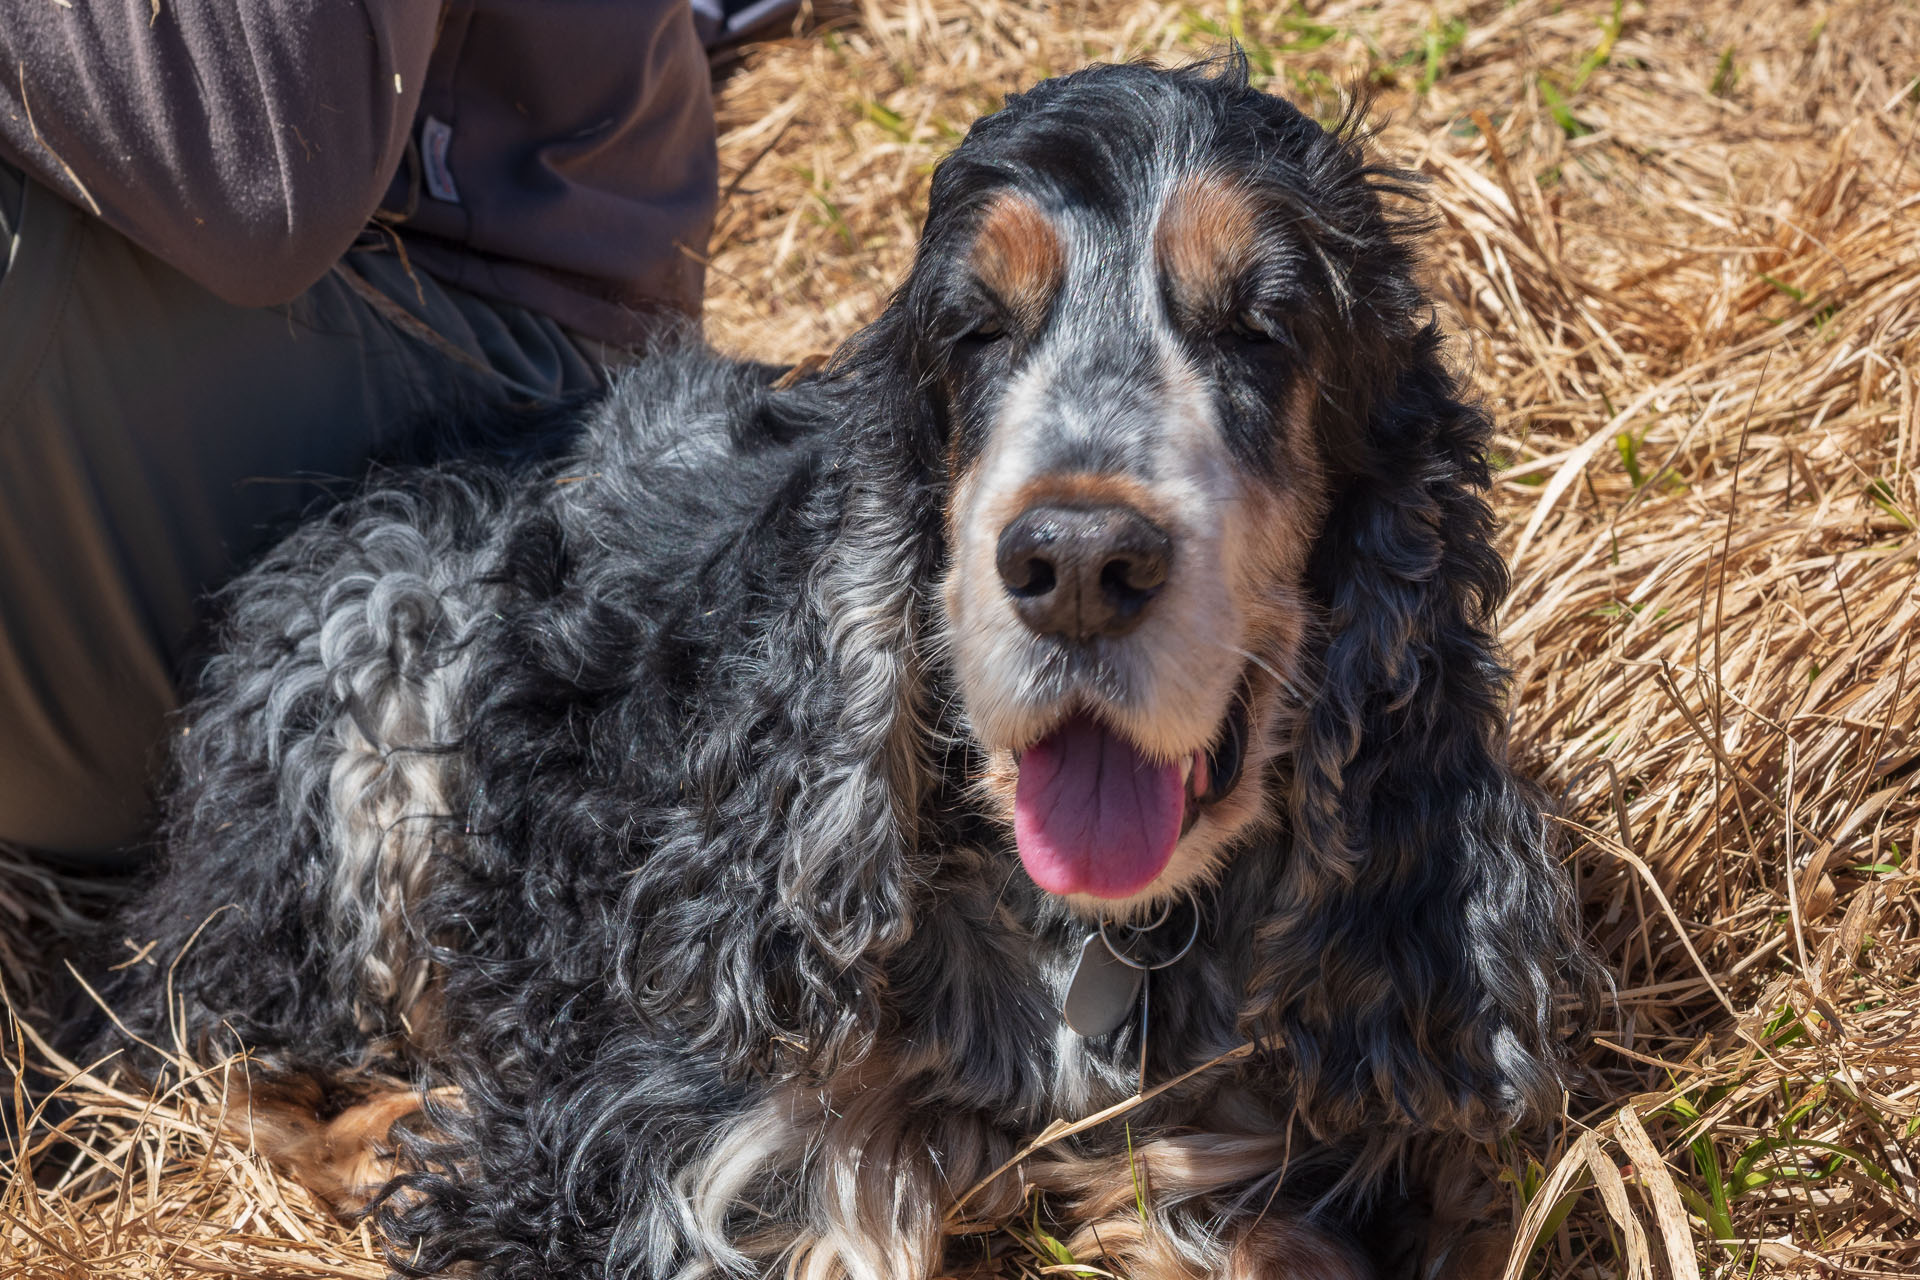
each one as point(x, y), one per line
point(672, 856)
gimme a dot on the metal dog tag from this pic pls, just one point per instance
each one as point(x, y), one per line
point(1102, 991)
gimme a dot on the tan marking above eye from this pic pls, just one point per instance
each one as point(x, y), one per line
point(1208, 237)
point(1017, 254)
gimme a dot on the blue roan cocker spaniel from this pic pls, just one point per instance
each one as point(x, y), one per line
point(672, 854)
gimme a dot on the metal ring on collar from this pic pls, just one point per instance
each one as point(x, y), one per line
point(1192, 937)
point(1166, 910)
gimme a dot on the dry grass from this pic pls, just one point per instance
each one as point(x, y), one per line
point(1682, 247)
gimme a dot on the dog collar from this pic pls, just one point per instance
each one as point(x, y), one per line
point(1108, 978)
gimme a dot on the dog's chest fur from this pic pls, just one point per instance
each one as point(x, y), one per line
point(977, 997)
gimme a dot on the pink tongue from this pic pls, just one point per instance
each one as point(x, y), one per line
point(1092, 815)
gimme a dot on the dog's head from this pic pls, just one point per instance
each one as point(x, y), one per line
point(1217, 578)
point(1155, 309)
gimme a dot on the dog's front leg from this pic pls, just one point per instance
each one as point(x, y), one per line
point(851, 1181)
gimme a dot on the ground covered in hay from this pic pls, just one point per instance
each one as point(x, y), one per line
point(1681, 245)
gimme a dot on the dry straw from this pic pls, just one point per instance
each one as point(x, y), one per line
point(1682, 247)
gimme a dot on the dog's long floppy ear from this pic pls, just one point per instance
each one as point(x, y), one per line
point(1424, 921)
point(788, 876)
point(852, 861)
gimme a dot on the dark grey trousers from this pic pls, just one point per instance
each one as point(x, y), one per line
point(152, 439)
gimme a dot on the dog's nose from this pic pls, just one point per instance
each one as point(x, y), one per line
point(1080, 572)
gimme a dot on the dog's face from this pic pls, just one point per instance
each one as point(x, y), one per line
point(1133, 337)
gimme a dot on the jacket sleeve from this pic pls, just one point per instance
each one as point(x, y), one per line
point(245, 142)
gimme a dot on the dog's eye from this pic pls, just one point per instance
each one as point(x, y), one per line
point(1249, 326)
point(986, 330)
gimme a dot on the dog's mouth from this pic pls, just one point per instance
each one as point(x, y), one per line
point(1093, 814)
